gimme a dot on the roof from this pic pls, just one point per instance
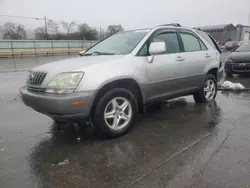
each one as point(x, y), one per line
point(240, 25)
point(214, 27)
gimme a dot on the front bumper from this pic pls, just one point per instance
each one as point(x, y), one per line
point(59, 107)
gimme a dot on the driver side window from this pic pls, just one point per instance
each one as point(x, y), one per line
point(170, 39)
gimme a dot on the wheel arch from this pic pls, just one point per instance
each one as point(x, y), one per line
point(127, 83)
point(213, 71)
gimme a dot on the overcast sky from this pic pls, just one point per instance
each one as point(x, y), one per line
point(130, 13)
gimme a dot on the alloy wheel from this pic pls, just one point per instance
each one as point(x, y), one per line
point(118, 113)
point(209, 89)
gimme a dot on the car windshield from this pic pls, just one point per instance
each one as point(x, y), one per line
point(118, 44)
point(244, 48)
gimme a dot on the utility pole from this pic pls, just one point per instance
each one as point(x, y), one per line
point(249, 19)
point(45, 27)
point(100, 34)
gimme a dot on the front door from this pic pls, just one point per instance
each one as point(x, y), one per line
point(164, 72)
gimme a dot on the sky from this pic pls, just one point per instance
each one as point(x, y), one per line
point(130, 14)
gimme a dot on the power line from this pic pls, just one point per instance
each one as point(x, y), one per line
point(25, 17)
point(36, 18)
point(12, 16)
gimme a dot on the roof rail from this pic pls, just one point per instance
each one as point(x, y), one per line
point(172, 24)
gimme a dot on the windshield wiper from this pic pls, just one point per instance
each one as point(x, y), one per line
point(98, 53)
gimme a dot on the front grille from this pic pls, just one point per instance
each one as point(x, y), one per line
point(35, 89)
point(36, 78)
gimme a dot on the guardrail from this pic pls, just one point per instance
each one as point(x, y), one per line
point(38, 47)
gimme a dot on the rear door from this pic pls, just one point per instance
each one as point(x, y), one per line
point(215, 52)
point(196, 57)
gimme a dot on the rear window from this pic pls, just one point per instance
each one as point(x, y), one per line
point(210, 40)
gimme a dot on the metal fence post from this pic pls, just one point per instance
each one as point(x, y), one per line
point(52, 47)
point(84, 40)
point(35, 47)
point(82, 44)
point(47, 47)
point(12, 51)
point(68, 48)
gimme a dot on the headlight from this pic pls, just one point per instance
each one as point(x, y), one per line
point(64, 82)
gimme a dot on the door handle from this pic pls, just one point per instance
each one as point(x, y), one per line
point(207, 56)
point(179, 58)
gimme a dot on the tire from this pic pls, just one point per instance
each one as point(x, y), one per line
point(202, 96)
point(111, 104)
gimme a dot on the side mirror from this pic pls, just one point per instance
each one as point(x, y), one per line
point(157, 48)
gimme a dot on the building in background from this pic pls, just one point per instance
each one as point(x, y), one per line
point(243, 32)
point(227, 32)
point(222, 33)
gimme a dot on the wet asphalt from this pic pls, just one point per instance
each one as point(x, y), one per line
point(174, 144)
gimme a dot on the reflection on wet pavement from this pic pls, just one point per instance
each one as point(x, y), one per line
point(163, 131)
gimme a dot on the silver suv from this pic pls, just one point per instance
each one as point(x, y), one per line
point(123, 74)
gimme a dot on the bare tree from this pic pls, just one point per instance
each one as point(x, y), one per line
point(20, 31)
point(86, 32)
point(69, 27)
point(12, 31)
point(40, 33)
point(53, 29)
point(112, 29)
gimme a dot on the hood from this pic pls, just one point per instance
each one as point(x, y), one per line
point(240, 56)
point(75, 64)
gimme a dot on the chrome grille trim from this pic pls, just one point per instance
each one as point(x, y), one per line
point(36, 78)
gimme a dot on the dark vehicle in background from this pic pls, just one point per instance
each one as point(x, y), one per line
point(238, 61)
point(233, 45)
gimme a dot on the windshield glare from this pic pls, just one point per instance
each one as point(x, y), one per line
point(118, 44)
point(244, 48)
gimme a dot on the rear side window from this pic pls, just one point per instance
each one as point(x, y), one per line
point(190, 42)
point(207, 38)
point(171, 41)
